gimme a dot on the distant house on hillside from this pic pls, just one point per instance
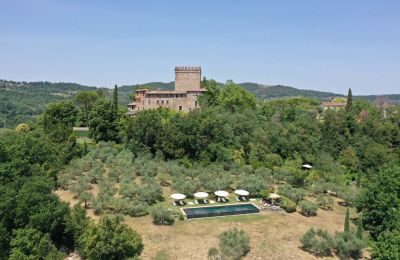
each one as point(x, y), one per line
point(182, 99)
point(336, 104)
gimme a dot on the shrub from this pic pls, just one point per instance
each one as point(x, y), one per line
point(162, 216)
point(324, 201)
point(308, 208)
point(136, 209)
point(318, 242)
point(288, 205)
point(348, 245)
point(234, 244)
point(295, 194)
point(213, 253)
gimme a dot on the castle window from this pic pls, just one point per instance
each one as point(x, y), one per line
point(180, 108)
point(195, 103)
point(162, 102)
point(158, 102)
point(167, 102)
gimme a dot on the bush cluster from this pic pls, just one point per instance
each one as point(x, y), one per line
point(162, 215)
point(288, 205)
point(318, 242)
point(308, 208)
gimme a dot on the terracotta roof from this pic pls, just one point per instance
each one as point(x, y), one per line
point(155, 92)
point(333, 104)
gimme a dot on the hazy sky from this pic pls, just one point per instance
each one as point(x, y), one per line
point(309, 44)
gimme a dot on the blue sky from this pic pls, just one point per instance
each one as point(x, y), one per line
point(309, 44)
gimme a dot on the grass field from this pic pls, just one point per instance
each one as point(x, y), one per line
point(273, 235)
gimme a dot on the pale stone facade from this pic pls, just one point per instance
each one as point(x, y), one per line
point(182, 99)
point(187, 78)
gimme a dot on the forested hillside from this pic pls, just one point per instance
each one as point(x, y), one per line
point(24, 101)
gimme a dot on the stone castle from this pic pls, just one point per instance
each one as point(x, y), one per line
point(182, 99)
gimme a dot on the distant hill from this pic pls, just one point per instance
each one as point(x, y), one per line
point(279, 91)
point(23, 101)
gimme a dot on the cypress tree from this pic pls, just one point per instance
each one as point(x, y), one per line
point(85, 148)
point(115, 97)
point(349, 105)
point(359, 228)
point(347, 222)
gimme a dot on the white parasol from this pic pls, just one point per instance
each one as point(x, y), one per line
point(221, 193)
point(178, 196)
point(242, 192)
point(201, 195)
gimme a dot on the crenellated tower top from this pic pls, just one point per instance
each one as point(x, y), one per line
point(187, 78)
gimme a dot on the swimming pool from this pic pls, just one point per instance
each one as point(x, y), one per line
point(218, 211)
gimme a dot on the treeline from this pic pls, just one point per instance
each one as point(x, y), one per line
point(250, 141)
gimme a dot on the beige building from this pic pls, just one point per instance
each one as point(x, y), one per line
point(333, 105)
point(182, 99)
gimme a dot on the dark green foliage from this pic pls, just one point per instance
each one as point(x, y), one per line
point(234, 244)
point(349, 105)
point(58, 120)
point(318, 242)
point(162, 215)
point(5, 239)
point(379, 201)
point(347, 221)
point(234, 98)
point(115, 98)
point(76, 223)
point(29, 243)
point(109, 240)
point(210, 97)
point(387, 246)
point(103, 121)
point(86, 99)
point(308, 208)
point(360, 229)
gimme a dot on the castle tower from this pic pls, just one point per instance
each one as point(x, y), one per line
point(187, 78)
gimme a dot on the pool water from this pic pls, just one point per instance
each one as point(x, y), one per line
point(216, 211)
